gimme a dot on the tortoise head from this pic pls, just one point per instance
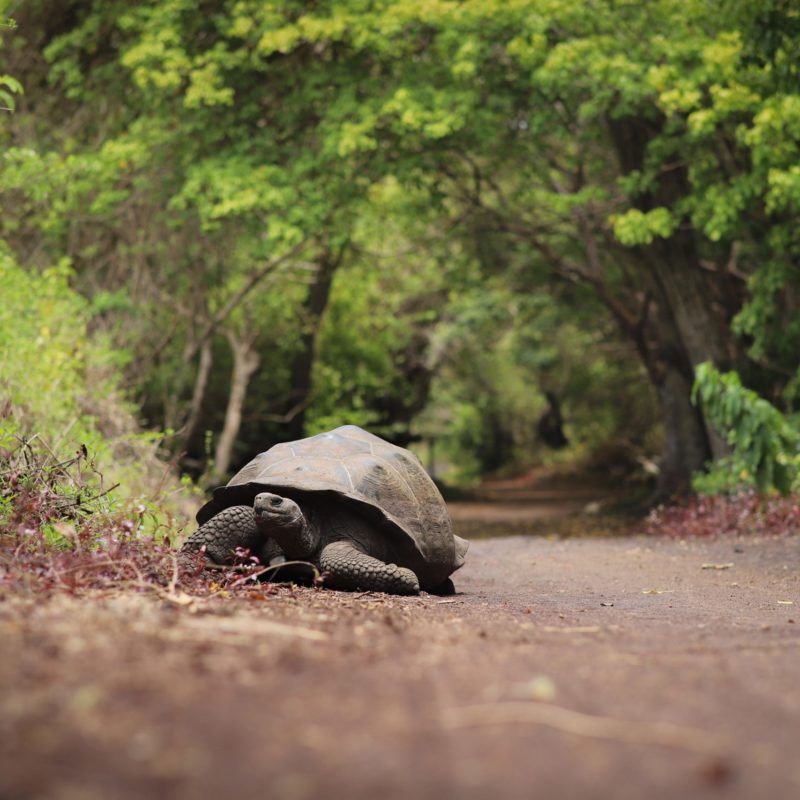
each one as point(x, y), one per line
point(284, 521)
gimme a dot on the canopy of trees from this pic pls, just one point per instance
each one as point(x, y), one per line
point(502, 225)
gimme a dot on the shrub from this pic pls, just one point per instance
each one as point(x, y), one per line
point(765, 442)
point(745, 512)
point(67, 437)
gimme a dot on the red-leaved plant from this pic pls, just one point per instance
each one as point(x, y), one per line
point(59, 531)
point(747, 512)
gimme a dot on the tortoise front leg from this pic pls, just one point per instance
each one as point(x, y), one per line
point(234, 527)
point(348, 567)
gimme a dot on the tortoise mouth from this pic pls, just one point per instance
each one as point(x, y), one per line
point(284, 519)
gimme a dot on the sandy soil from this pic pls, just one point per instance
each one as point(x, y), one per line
point(603, 668)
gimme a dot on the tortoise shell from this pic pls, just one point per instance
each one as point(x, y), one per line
point(386, 482)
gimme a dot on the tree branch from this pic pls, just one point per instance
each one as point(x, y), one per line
point(238, 296)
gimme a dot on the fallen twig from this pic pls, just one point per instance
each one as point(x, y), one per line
point(245, 629)
point(90, 499)
point(664, 734)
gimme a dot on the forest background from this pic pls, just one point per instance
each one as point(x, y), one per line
point(506, 233)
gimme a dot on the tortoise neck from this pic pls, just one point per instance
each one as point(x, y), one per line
point(297, 541)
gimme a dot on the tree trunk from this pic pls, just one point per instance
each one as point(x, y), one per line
point(245, 363)
point(550, 428)
point(690, 329)
point(686, 447)
point(683, 289)
point(193, 458)
point(303, 361)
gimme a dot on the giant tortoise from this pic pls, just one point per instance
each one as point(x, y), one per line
point(364, 511)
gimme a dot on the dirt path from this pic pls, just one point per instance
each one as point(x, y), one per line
point(604, 668)
point(534, 503)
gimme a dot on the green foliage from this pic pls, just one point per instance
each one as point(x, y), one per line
point(354, 368)
point(44, 353)
point(60, 402)
point(8, 88)
point(636, 227)
point(766, 443)
point(466, 158)
point(500, 353)
point(373, 365)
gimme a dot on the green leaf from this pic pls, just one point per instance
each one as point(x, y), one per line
point(640, 228)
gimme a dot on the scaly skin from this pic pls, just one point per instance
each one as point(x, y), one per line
point(336, 540)
point(343, 545)
point(345, 566)
point(234, 527)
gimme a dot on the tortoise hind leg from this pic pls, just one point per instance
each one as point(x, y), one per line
point(348, 567)
point(222, 534)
